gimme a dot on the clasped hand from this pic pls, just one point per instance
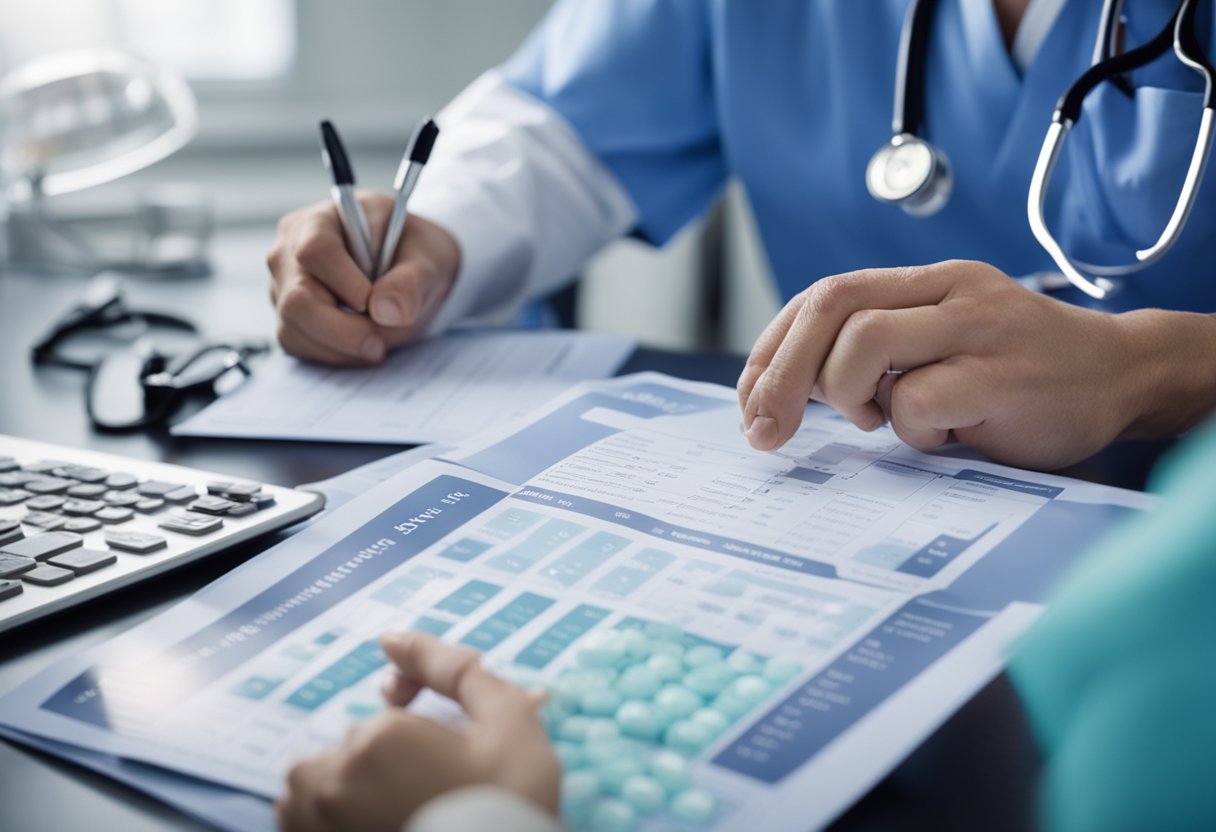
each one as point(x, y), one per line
point(1026, 379)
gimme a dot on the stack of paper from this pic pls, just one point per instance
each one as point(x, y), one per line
point(848, 593)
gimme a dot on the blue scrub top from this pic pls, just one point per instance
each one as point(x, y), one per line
point(793, 96)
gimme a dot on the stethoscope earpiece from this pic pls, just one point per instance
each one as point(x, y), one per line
point(911, 173)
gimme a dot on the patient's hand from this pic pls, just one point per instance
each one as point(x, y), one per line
point(329, 311)
point(391, 765)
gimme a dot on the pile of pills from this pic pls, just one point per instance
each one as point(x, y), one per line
point(641, 702)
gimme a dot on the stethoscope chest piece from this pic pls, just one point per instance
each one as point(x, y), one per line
point(911, 173)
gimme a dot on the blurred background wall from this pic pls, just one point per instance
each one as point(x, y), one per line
point(265, 71)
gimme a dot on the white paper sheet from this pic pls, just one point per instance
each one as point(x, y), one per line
point(444, 390)
point(896, 580)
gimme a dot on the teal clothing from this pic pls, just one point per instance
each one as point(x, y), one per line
point(1119, 676)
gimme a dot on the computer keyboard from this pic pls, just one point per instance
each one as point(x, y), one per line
point(77, 524)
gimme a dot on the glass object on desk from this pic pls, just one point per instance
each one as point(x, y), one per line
point(74, 120)
point(70, 121)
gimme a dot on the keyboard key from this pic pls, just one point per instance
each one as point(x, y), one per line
point(81, 473)
point(42, 546)
point(114, 514)
point(182, 495)
point(157, 488)
point(121, 498)
point(46, 575)
point(241, 491)
point(192, 524)
point(45, 466)
point(217, 489)
point(45, 502)
point(10, 589)
point(45, 520)
point(81, 525)
point(10, 530)
point(263, 499)
point(137, 542)
point(242, 509)
point(16, 479)
point(121, 481)
point(49, 485)
point(84, 561)
point(150, 505)
point(211, 505)
point(87, 490)
point(12, 496)
point(7, 463)
point(81, 508)
point(13, 565)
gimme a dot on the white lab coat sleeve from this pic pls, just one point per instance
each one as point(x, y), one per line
point(481, 808)
point(525, 199)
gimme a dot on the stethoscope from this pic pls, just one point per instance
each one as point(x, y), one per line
point(912, 173)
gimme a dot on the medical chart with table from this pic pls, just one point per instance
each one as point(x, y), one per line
point(722, 631)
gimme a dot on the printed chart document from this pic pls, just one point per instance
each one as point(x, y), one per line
point(830, 604)
point(444, 390)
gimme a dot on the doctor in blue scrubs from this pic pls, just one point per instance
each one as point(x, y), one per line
point(628, 116)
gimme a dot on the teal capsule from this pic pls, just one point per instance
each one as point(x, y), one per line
point(602, 730)
point(602, 649)
point(670, 770)
point(579, 788)
point(600, 702)
point(731, 705)
point(694, 805)
point(668, 668)
point(702, 654)
point(687, 737)
point(714, 721)
point(780, 669)
point(573, 729)
point(644, 794)
point(613, 773)
point(601, 752)
point(743, 662)
point(639, 719)
point(709, 679)
point(569, 754)
point(676, 702)
point(612, 815)
point(637, 645)
point(667, 647)
point(751, 689)
point(638, 682)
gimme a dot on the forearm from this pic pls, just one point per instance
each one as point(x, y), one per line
point(526, 201)
point(1170, 376)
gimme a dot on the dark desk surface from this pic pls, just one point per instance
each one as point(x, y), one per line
point(977, 771)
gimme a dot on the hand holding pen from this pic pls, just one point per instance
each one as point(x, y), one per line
point(350, 212)
point(317, 279)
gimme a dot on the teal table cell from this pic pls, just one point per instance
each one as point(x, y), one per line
point(540, 544)
point(328, 638)
point(469, 597)
point(434, 626)
point(349, 670)
point(588, 555)
point(399, 590)
point(256, 687)
point(510, 523)
point(465, 550)
point(506, 621)
point(553, 641)
point(626, 578)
